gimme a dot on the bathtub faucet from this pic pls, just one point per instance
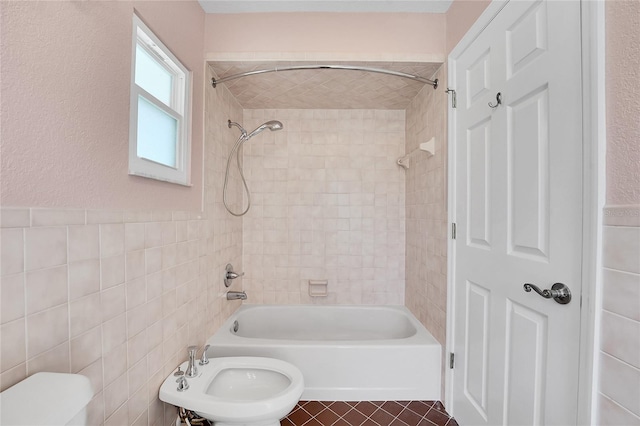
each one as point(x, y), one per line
point(236, 295)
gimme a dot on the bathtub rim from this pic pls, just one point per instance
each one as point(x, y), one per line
point(421, 337)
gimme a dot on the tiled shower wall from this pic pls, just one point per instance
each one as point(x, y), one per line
point(426, 210)
point(619, 387)
point(327, 203)
point(119, 295)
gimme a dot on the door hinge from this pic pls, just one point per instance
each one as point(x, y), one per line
point(454, 99)
point(453, 231)
point(451, 359)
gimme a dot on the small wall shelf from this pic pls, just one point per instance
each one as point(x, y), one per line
point(429, 147)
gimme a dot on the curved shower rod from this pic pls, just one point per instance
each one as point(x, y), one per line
point(433, 83)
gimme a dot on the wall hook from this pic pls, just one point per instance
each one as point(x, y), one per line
point(498, 101)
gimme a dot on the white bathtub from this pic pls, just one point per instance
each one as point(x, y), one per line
point(345, 353)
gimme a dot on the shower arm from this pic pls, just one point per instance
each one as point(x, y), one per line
point(434, 83)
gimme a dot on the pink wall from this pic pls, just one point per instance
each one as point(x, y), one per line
point(462, 14)
point(623, 101)
point(65, 103)
point(378, 35)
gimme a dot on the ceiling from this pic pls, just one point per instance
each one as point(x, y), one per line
point(324, 88)
point(253, 6)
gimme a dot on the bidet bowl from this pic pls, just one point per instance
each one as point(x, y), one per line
point(239, 390)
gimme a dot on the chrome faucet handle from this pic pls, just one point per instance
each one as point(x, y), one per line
point(183, 385)
point(192, 370)
point(204, 360)
point(178, 372)
point(230, 275)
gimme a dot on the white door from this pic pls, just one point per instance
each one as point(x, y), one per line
point(518, 211)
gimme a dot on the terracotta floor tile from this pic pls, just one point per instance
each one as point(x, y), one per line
point(327, 417)
point(369, 413)
point(366, 408)
point(437, 416)
point(452, 422)
point(420, 407)
point(382, 417)
point(392, 407)
point(438, 406)
point(314, 407)
point(286, 422)
point(409, 417)
point(427, 422)
point(340, 408)
point(354, 417)
point(299, 417)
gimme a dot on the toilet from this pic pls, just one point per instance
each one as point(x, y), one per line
point(233, 391)
point(46, 399)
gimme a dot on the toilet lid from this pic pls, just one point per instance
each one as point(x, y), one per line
point(45, 399)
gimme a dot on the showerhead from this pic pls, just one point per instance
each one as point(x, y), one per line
point(272, 125)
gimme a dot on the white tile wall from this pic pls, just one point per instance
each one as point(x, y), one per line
point(327, 203)
point(59, 313)
point(426, 228)
point(619, 386)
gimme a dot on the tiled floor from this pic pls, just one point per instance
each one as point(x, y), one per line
point(365, 413)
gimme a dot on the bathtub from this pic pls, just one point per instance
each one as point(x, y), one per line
point(345, 353)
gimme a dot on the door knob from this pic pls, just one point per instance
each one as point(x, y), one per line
point(559, 292)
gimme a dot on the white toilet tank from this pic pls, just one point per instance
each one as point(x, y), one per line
point(46, 399)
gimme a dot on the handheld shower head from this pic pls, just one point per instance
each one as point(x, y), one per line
point(272, 125)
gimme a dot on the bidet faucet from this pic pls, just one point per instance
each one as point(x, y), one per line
point(192, 370)
point(204, 360)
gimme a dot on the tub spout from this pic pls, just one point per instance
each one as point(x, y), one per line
point(236, 295)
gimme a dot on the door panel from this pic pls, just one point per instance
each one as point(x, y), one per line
point(525, 364)
point(477, 346)
point(526, 39)
point(528, 175)
point(518, 189)
point(478, 182)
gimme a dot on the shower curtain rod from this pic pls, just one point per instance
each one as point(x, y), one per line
point(433, 83)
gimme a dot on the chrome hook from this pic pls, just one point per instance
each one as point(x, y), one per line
point(498, 101)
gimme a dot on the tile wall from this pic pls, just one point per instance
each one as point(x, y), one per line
point(426, 210)
point(327, 203)
point(619, 382)
point(119, 295)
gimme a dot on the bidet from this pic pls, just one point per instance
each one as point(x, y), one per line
point(234, 391)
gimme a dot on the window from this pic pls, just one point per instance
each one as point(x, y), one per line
point(159, 142)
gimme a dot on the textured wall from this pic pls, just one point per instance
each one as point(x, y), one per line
point(66, 70)
point(332, 36)
point(619, 379)
point(328, 203)
point(462, 14)
point(426, 210)
point(623, 101)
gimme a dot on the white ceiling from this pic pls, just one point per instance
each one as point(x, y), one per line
point(252, 6)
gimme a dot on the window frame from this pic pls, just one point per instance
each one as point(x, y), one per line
point(179, 109)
